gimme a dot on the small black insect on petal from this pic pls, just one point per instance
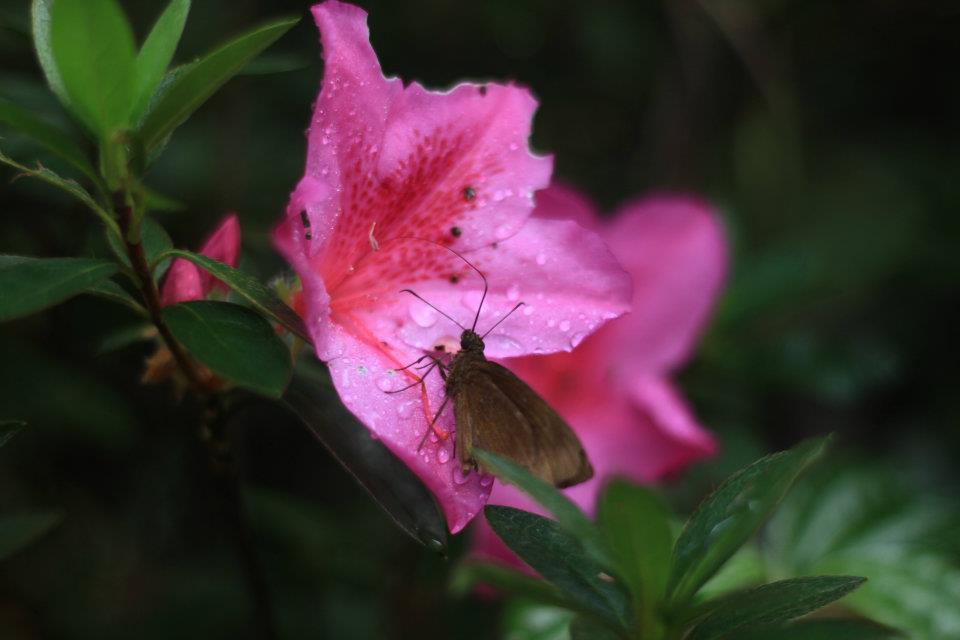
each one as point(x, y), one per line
point(469, 193)
point(455, 232)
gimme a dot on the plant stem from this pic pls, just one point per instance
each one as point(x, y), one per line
point(151, 296)
point(227, 484)
point(212, 432)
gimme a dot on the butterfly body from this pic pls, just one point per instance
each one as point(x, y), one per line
point(496, 411)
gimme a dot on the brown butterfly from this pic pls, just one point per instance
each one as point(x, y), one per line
point(496, 411)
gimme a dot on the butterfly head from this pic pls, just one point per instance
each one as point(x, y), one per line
point(471, 341)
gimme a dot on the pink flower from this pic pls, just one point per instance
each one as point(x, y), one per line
point(615, 389)
point(395, 174)
point(186, 281)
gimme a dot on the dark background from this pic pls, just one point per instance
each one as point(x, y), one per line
point(825, 132)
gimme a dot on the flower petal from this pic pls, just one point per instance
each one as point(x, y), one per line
point(562, 202)
point(364, 375)
point(393, 162)
point(223, 245)
point(568, 281)
point(182, 283)
point(644, 435)
point(676, 251)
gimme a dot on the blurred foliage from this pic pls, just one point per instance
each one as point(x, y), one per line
point(824, 131)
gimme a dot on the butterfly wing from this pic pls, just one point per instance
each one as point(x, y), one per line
point(497, 411)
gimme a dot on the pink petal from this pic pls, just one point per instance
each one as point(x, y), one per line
point(390, 162)
point(562, 202)
point(185, 281)
point(363, 376)
point(182, 283)
point(676, 250)
point(223, 245)
point(568, 281)
point(643, 433)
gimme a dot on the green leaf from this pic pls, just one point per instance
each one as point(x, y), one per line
point(248, 288)
point(157, 52)
point(110, 290)
point(523, 620)
point(19, 530)
point(47, 136)
point(508, 582)
point(40, 24)
point(770, 604)
point(584, 628)
point(637, 527)
point(562, 560)
point(823, 630)
point(10, 428)
point(389, 482)
point(731, 515)
point(155, 241)
point(234, 341)
point(569, 515)
point(69, 186)
point(865, 521)
point(94, 53)
point(28, 285)
point(201, 79)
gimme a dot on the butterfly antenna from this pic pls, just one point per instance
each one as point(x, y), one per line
point(518, 305)
point(418, 297)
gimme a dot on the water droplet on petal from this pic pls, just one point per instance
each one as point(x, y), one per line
point(443, 456)
point(422, 314)
point(486, 481)
point(513, 293)
point(458, 476)
point(528, 310)
point(405, 409)
point(577, 338)
point(362, 370)
point(385, 383)
point(564, 325)
point(503, 346)
point(541, 259)
point(503, 231)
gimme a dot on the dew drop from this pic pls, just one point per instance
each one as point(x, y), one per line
point(503, 232)
point(486, 481)
point(458, 476)
point(513, 293)
point(423, 315)
point(362, 370)
point(564, 325)
point(541, 259)
point(385, 383)
point(443, 456)
point(405, 409)
point(528, 310)
point(504, 345)
point(577, 338)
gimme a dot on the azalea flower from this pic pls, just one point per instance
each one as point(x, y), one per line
point(185, 281)
point(615, 389)
point(395, 177)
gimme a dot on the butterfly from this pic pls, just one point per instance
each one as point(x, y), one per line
point(496, 411)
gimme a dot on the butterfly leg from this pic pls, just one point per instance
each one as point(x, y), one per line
point(436, 416)
point(418, 380)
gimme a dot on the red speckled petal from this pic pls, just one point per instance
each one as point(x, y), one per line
point(391, 162)
point(569, 282)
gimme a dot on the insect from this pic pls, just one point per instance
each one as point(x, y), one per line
point(497, 411)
